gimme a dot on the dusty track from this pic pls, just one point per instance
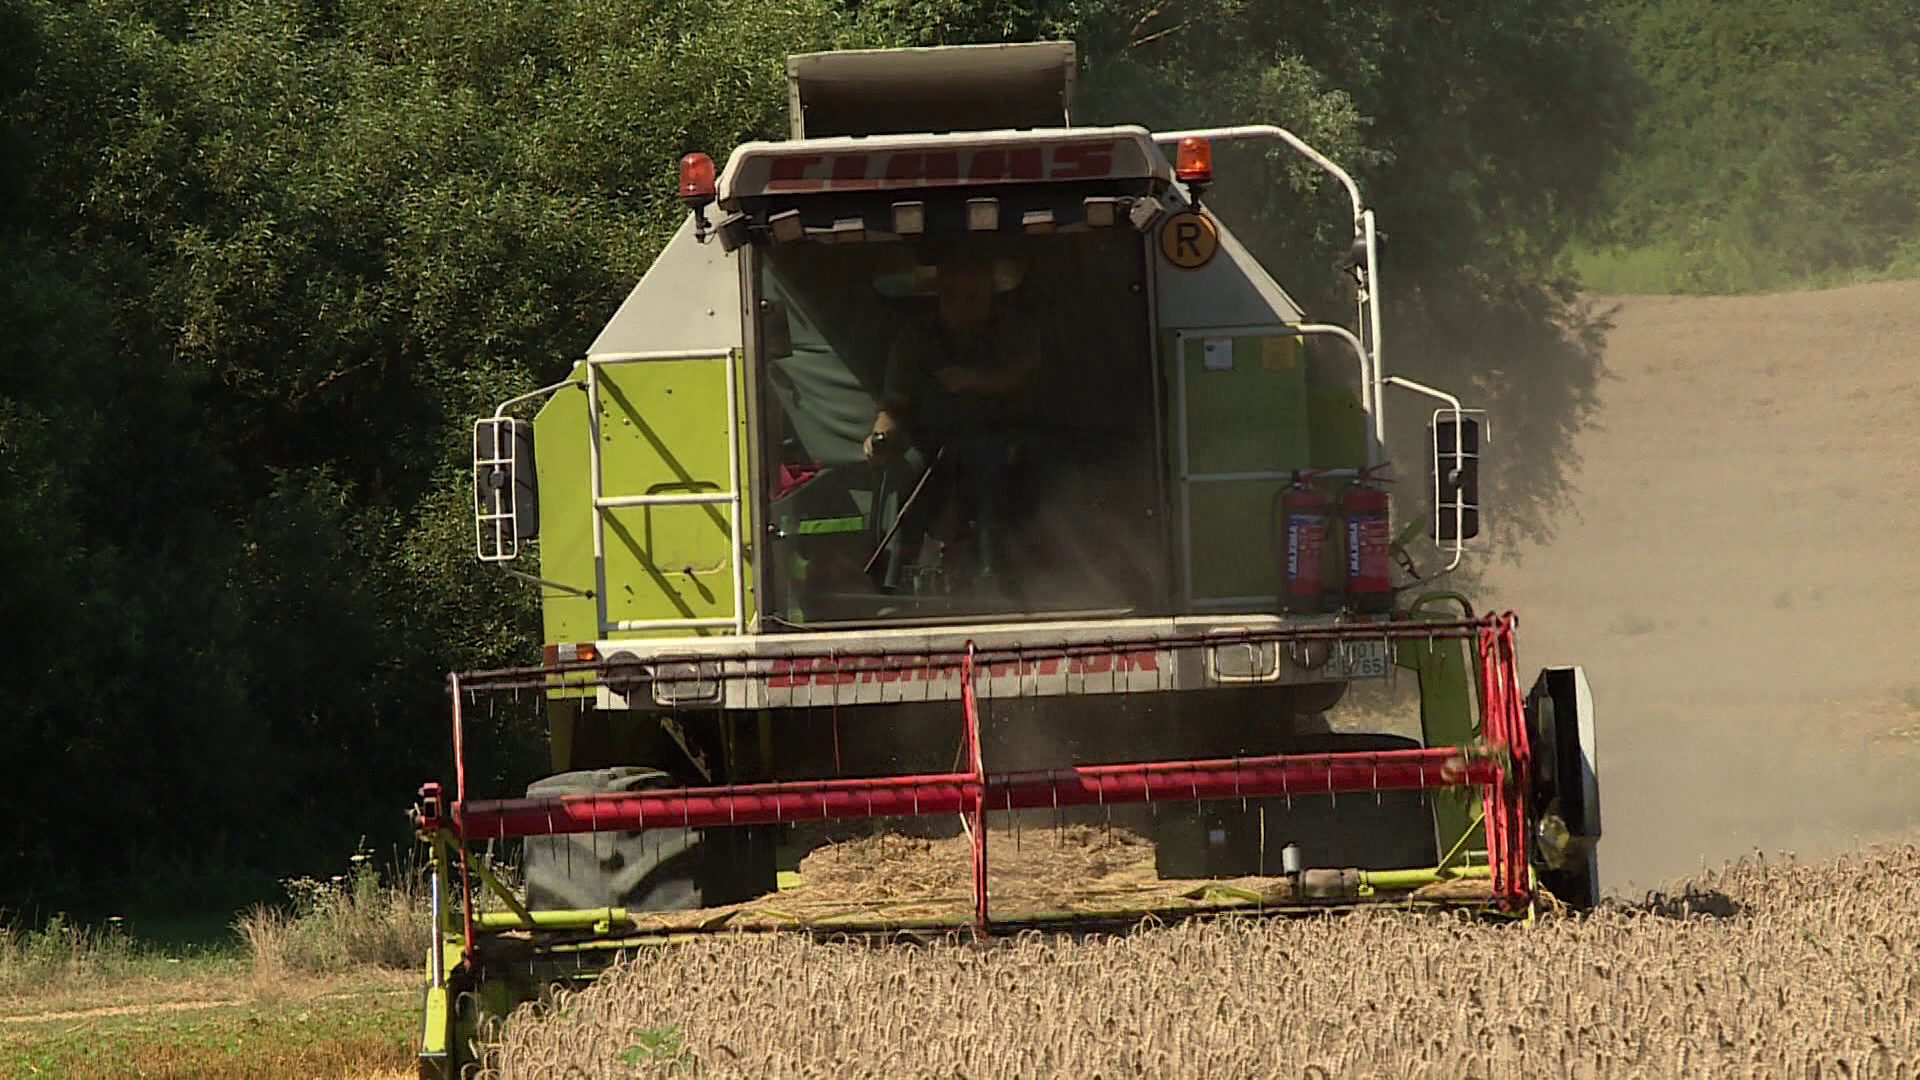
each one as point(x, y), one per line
point(1739, 576)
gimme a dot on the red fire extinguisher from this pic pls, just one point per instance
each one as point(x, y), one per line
point(1303, 538)
point(1369, 573)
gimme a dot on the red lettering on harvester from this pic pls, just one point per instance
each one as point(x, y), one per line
point(1083, 161)
point(849, 170)
point(790, 173)
point(1096, 664)
point(1000, 163)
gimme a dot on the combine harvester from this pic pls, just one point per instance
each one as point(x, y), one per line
point(954, 466)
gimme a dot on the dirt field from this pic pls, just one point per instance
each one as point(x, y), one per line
point(1739, 578)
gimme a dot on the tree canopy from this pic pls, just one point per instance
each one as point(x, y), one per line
point(1776, 144)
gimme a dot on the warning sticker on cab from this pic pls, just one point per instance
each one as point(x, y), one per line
point(1188, 240)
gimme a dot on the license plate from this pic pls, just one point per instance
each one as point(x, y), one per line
point(1358, 660)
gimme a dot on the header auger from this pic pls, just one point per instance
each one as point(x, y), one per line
point(968, 483)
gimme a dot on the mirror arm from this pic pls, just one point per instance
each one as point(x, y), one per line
point(534, 394)
point(545, 583)
point(1421, 388)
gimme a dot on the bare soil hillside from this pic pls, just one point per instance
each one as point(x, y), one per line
point(1739, 574)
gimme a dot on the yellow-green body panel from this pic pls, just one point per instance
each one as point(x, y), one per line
point(566, 520)
point(1448, 670)
point(1257, 410)
point(1337, 427)
point(663, 430)
point(1250, 415)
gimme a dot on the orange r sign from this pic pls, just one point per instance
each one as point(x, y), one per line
point(1188, 240)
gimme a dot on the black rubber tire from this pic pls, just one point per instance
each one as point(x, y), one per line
point(1316, 698)
point(655, 870)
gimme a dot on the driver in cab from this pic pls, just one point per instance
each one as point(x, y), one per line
point(957, 386)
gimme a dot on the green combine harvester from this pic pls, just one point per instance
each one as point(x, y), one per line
point(954, 467)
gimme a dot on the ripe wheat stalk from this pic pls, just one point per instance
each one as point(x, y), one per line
point(1764, 969)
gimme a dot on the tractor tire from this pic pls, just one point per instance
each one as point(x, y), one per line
point(670, 869)
point(1316, 699)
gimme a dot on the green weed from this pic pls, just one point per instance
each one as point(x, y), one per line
point(665, 1045)
point(61, 953)
point(357, 919)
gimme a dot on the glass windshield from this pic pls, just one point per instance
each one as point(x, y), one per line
point(960, 429)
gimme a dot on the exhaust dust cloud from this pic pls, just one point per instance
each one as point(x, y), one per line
point(1736, 570)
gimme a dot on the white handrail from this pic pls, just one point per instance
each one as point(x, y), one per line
point(1369, 379)
point(533, 394)
point(1240, 132)
point(697, 498)
point(1363, 228)
point(596, 489)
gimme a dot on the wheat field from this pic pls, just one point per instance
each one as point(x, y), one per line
point(1763, 968)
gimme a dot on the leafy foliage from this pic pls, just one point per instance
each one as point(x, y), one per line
point(352, 920)
point(1776, 145)
point(265, 258)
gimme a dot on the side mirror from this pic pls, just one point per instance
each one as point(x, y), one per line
point(1456, 477)
point(506, 487)
point(776, 334)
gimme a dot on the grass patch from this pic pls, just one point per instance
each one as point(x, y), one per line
point(346, 1036)
point(353, 920)
point(323, 985)
point(65, 959)
point(325, 932)
point(1672, 267)
point(61, 953)
point(1645, 271)
point(350, 922)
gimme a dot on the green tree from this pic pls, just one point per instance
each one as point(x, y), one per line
point(1777, 144)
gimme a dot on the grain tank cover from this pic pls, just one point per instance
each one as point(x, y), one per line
point(948, 88)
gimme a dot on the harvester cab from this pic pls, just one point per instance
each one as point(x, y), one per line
point(955, 466)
